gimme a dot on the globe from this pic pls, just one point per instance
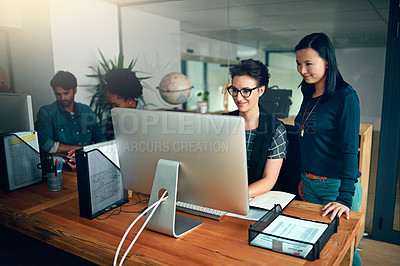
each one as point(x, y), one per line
point(175, 88)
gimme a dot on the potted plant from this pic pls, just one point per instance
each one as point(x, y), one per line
point(203, 104)
point(99, 101)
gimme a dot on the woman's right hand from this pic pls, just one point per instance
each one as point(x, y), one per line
point(300, 188)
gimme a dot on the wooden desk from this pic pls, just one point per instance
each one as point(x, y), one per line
point(53, 217)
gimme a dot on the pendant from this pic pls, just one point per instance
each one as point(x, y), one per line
point(302, 132)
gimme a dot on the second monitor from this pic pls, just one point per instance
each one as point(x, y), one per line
point(16, 113)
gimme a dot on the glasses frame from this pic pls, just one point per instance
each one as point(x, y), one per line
point(240, 91)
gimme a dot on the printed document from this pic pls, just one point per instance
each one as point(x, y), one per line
point(21, 160)
point(292, 228)
point(105, 178)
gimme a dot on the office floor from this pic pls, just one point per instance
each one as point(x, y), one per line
point(378, 253)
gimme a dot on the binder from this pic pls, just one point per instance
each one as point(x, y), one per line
point(19, 160)
point(100, 187)
point(308, 245)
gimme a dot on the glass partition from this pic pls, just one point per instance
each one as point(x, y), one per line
point(282, 68)
point(217, 76)
point(4, 69)
point(210, 77)
point(195, 72)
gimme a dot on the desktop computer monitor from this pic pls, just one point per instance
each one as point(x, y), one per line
point(210, 151)
point(16, 113)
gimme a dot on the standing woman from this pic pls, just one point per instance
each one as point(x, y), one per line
point(328, 122)
point(265, 136)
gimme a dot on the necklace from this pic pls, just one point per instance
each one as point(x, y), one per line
point(303, 121)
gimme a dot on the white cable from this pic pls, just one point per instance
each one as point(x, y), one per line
point(154, 206)
point(130, 227)
point(163, 197)
point(127, 231)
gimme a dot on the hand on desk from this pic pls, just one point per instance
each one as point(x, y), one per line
point(337, 209)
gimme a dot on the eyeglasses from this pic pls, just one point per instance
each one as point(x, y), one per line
point(244, 92)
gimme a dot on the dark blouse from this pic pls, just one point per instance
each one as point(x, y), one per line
point(261, 148)
point(329, 146)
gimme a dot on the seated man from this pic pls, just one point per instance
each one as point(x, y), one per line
point(66, 125)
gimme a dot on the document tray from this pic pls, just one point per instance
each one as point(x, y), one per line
point(100, 186)
point(304, 248)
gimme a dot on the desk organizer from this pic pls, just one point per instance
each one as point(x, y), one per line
point(19, 160)
point(279, 242)
point(100, 187)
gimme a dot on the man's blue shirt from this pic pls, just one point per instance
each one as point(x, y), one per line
point(54, 124)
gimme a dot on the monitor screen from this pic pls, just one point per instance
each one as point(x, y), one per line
point(210, 149)
point(16, 113)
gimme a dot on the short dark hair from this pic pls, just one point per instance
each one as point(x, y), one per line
point(321, 43)
point(124, 83)
point(252, 68)
point(64, 79)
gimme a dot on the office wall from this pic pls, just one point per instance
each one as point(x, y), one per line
point(154, 41)
point(3, 53)
point(364, 69)
point(158, 45)
point(57, 35)
point(78, 30)
point(10, 14)
point(32, 52)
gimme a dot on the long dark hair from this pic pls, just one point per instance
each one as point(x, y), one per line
point(254, 69)
point(321, 43)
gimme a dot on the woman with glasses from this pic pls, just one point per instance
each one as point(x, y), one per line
point(265, 136)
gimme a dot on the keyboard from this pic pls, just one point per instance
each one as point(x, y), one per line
point(199, 210)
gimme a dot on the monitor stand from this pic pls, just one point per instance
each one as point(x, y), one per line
point(165, 220)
